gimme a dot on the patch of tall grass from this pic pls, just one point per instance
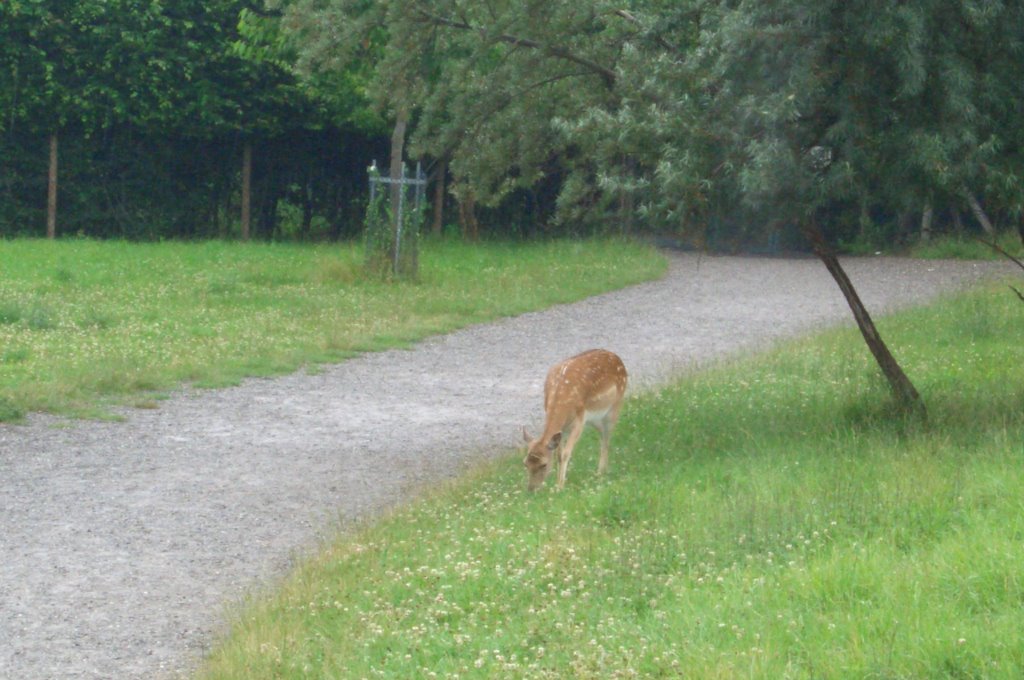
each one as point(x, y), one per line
point(769, 518)
point(84, 324)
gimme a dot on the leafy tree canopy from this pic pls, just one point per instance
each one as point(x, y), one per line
point(789, 106)
point(191, 67)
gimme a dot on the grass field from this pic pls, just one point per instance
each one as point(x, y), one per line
point(86, 324)
point(765, 519)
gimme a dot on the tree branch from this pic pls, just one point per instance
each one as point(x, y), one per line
point(494, 105)
point(996, 247)
point(628, 16)
point(607, 75)
point(260, 10)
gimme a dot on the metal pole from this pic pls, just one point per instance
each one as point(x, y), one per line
point(398, 231)
point(374, 176)
point(418, 185)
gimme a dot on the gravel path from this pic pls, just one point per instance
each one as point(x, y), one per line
point(121, 543)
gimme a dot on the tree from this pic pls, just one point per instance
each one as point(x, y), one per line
point(833, 101)
point(791, 92)
point(154, 105)
point(45, 88)
point(797, 110)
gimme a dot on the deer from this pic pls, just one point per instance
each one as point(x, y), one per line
point(586, 388)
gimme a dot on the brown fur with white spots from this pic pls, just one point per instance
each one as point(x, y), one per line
point(586, 388)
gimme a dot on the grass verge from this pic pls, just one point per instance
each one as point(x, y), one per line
point(85, 324)
point(966, 248)
point(765, 519)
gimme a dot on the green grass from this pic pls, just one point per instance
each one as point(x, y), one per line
point(86, 324)
point(765, 519)
point(961, 248)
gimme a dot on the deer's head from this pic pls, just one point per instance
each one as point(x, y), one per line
point(538, 458)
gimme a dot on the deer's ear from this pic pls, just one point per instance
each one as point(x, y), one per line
point(555, 440)
point(526, 436)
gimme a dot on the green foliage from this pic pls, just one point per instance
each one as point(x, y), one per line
point(389, 255)
point(151, 102)
point(378, 234)
point(8, 411)
point(746, 114)
point(481, 101)
point(378, 237)
point(764, 519)
point(735, 118)
point(87, 324)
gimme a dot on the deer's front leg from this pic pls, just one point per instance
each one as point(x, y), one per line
point(565, 453)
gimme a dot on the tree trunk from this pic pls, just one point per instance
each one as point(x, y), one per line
point(334, 213)
point(267, 223)
point(467, 216)
point(439, 198)
point(864, 221)
point(906, 395)
point(926, 223)
point(246, 189)
point(218, 226)
point(51, 191)
point(979, 214)
point(307, 209)
point(958, 223)
point(906, 222)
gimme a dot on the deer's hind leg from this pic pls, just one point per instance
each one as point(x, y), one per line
point(605, 426)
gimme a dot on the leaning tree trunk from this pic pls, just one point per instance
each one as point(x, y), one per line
point(903, 390)
point(979, 214)
point(51, 191)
